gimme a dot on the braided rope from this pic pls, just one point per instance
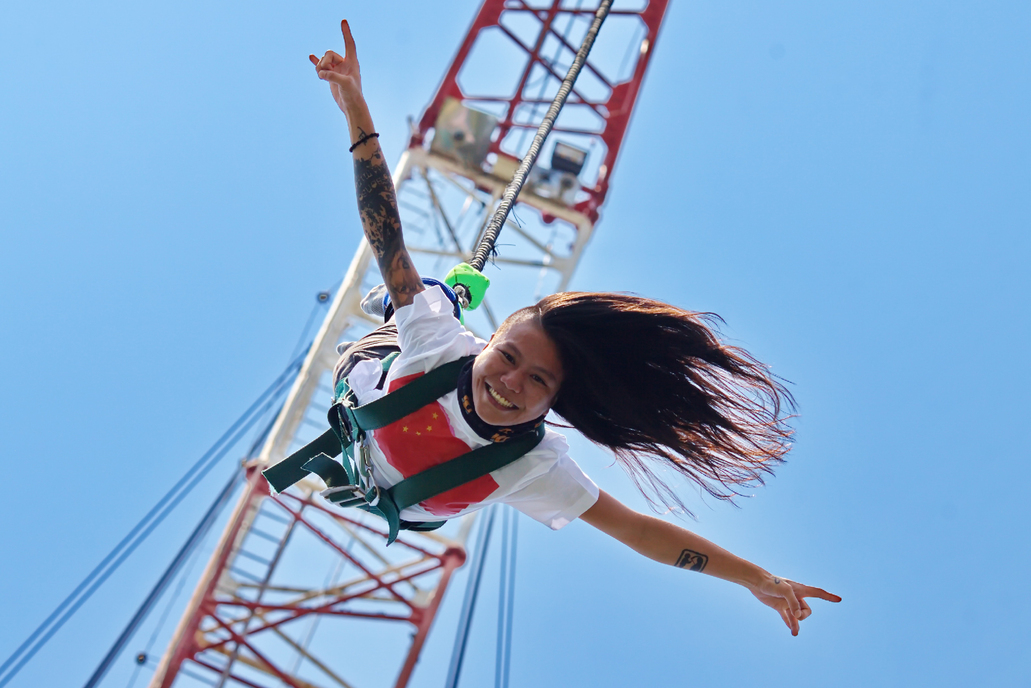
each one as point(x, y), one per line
point(490, 234)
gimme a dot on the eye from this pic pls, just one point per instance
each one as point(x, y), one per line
point(508, 356)
point(539, 380)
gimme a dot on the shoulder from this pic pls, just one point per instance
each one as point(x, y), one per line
point(548, 484)
point(429, 335)
point(430, 308)
point(548, 463)
point(554, 444)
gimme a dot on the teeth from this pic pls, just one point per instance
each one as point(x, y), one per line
point(500, 399)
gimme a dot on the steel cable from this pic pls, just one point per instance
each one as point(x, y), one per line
point(490, 234)
point(39, 637)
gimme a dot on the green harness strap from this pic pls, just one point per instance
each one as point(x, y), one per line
point(289, 471)
point(443, 477)
point(318, 456)
point(376, 414)
point(406, 400)
point(463, 469)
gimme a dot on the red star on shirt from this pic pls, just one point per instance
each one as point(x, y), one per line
point(432, 444)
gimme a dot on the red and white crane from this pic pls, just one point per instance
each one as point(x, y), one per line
point(298, 592)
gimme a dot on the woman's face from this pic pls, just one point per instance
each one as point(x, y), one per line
point(516, 378)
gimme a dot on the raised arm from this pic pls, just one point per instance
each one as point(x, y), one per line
point(670, 544)
point(377, 203)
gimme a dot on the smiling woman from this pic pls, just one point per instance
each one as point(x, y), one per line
point(649, 381)
point(517, 376)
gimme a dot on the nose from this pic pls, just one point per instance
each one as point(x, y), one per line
point(512, 381)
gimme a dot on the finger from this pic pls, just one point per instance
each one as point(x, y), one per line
point(330, 59)
point(314, 60)
point(349, 49)
point(806, 610)
point(809, 591)
point(790, 621)
point(334, 77)
point(789, 596)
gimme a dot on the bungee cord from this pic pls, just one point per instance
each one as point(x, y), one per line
point(490, 235)
point(485, 249)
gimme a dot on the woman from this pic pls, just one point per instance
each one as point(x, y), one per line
point(645, 379)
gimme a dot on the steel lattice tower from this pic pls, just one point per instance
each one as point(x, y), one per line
point(260, 616)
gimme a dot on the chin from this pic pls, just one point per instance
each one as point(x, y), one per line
point(488, 414)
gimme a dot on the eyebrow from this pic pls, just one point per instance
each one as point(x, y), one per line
point(547, 373)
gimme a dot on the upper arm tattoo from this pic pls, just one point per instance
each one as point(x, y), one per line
point(692, 561)
point(377, 206)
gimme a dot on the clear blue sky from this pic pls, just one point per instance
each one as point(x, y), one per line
point(845, 183)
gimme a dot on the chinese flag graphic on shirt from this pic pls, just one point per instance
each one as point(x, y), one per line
point(424, 439)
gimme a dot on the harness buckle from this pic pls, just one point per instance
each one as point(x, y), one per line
point(344, 493)
point(375, 500)
point(363, 464)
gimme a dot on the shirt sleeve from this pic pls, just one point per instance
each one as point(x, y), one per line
point(556, 496)
point(428, 333)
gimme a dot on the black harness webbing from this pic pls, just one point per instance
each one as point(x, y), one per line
point(349, 425)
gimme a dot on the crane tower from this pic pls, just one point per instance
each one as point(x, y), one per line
point(296, 588)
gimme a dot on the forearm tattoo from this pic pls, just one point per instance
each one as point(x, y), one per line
point(377, 206)
point(692, 561)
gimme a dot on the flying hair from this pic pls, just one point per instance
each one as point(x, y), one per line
point(654, 384)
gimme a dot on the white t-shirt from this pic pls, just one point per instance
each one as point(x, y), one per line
point(545, 484)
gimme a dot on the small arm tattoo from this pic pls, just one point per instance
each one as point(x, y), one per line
point(692, 561)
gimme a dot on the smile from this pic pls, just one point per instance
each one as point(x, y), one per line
point(498, 399)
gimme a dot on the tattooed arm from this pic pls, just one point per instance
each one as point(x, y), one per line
point(670, 544)
point(377, 206)
point(377, 203)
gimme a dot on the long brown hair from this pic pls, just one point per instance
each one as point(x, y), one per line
point(655, 384)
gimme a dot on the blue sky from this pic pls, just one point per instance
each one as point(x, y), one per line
point(845, 183)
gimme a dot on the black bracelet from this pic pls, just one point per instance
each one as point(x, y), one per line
point(363, 139)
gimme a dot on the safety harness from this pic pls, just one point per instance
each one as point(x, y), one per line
point(350, 481)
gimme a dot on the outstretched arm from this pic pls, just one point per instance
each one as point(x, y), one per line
point(670, 544)
point(377, 203)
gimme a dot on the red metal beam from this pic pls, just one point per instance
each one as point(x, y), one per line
point(213, 628)
point(615, 110)
point(209, 625)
